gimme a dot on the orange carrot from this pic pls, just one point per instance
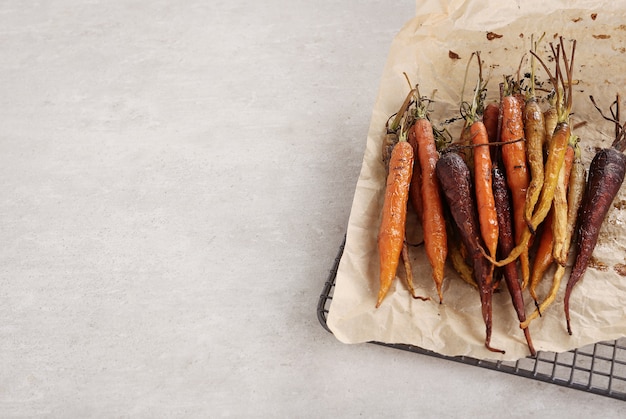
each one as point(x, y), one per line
point(415, 190)
point(487, 217)
point(555, 154)
point(481, 165)
point(543, 257)
point(518, 179)
point(393, 222)
point(433, 220)
point(490, 119)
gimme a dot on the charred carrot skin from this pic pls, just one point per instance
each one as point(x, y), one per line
point(393, 222)
point(506, 244)
point(606, 175)
point(455, 179)
point(433, 219)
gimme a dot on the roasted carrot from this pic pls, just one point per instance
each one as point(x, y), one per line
point(555, 155)
point(455, 179)
point(455, 253)
point(389, 142)
point(559, 205)
point(557, 145)
point(415, 190)
point(606, 175)
point(551, 118)
point(575, 195)
point(554, 162)
point(481, 167)
point(465, 151)
point(543, 257)
point(559, 223)
point(433, 220)
point(514, 159)
point(487, 216)
point(506, 243)
point(393, 222)
point(481, 164)
point(408, 268)
point(552, 168)
point(490, 119)
point(534, 130)
point(552, 293)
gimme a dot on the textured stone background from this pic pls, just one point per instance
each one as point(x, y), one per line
point(176, 180)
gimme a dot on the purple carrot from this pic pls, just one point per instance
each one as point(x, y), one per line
point(506, 243)
point(606, 175)
point(455, 181)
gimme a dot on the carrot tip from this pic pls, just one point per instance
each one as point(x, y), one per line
point(529, 341)
point(380, 301)
point(492, 349)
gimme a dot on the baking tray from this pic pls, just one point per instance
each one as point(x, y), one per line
point(599, 368)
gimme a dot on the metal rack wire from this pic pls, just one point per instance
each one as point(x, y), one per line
point(599, 368)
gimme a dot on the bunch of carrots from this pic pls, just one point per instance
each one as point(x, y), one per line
point(508, 198)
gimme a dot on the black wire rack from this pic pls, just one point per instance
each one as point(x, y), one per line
point(599, 368)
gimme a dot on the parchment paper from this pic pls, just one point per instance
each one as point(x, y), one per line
point(421, 49)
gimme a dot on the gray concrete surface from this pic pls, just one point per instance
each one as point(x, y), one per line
point(176, 180)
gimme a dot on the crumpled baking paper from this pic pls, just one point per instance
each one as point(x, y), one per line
point(422, 50)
